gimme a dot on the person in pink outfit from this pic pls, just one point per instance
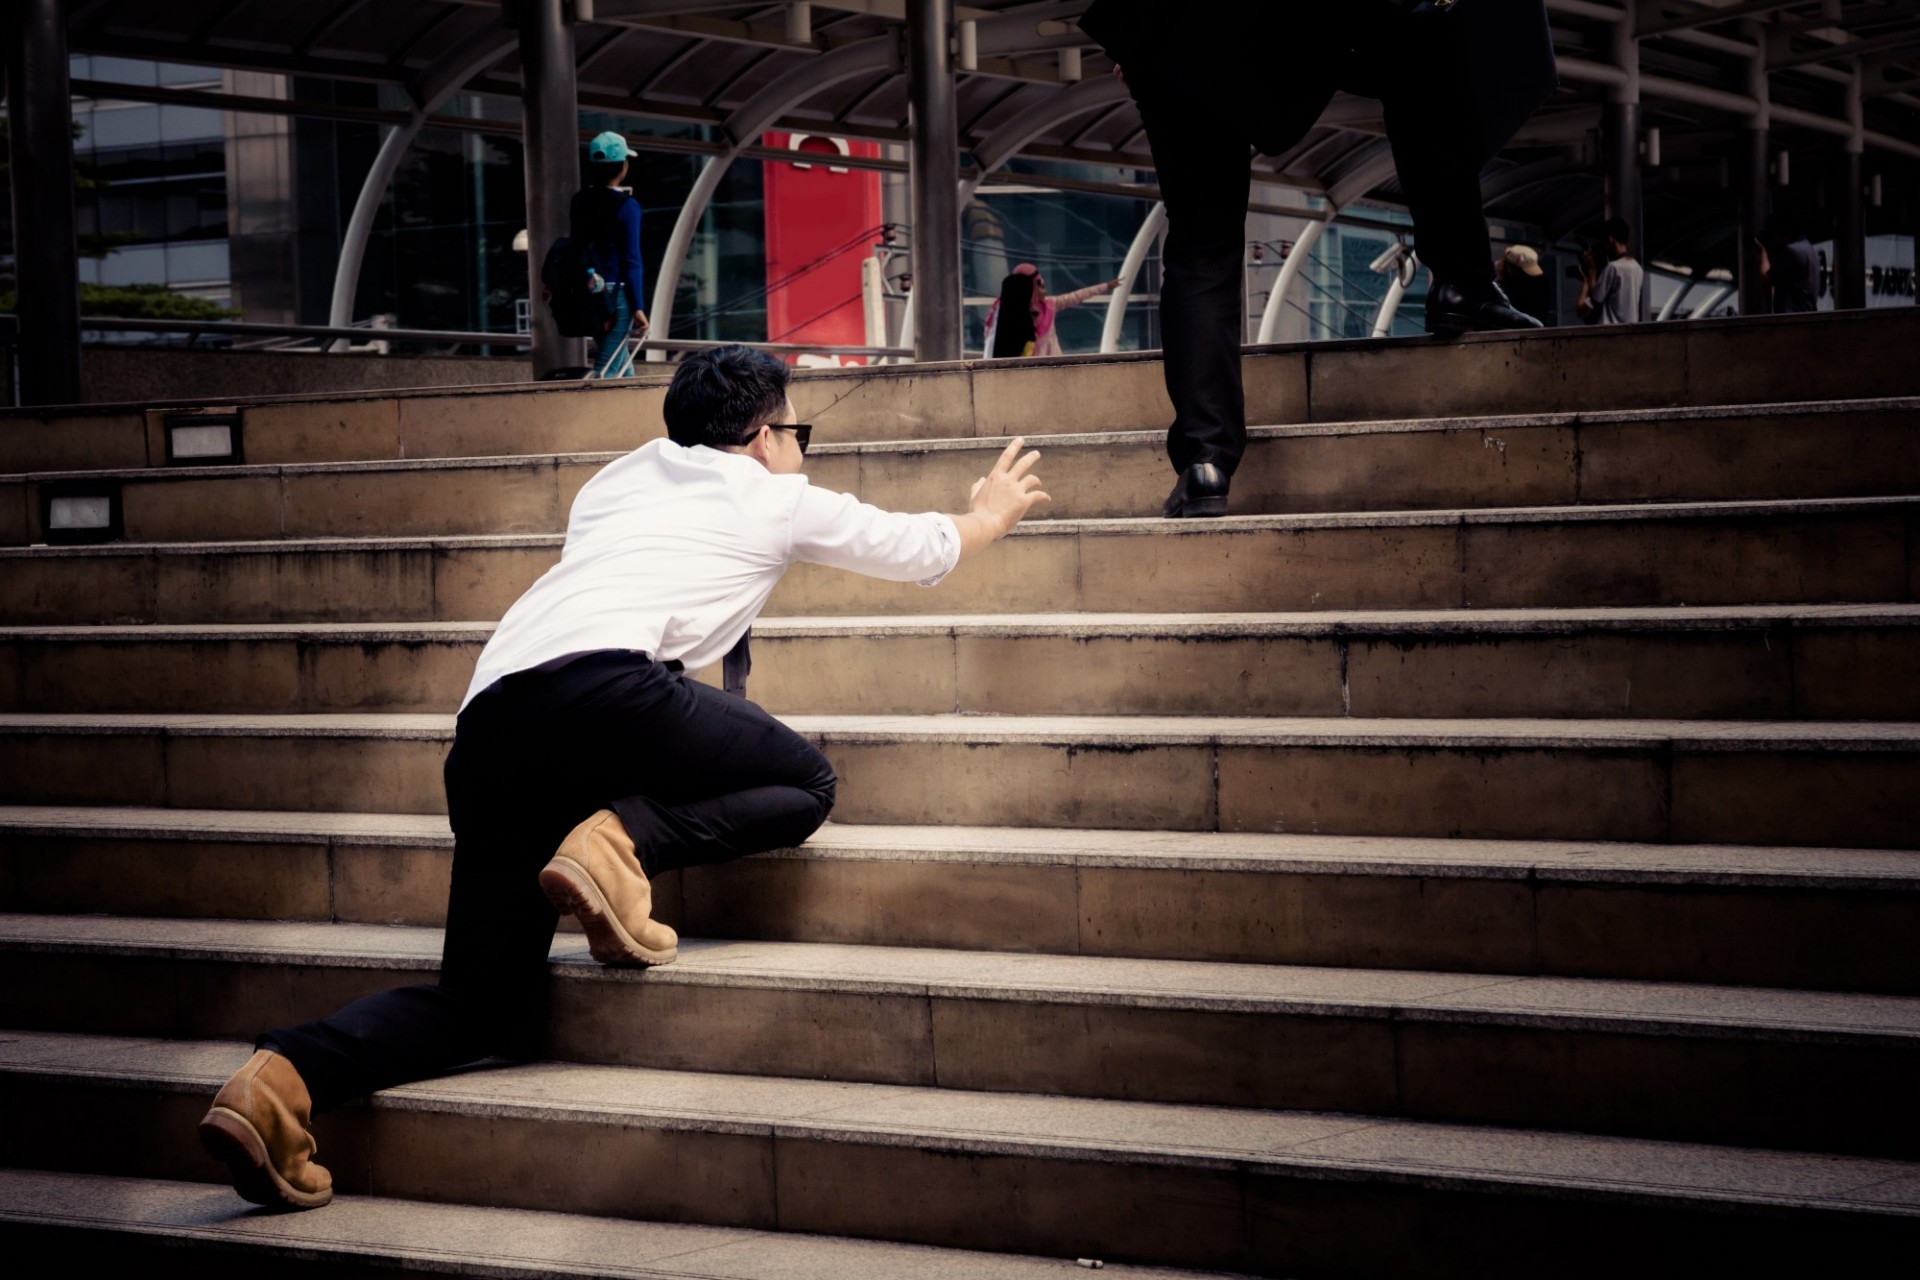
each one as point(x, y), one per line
point(1020, 322)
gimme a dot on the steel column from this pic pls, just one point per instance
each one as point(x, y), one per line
point(1620, 142)
point(550, 105)
point(934, 180)
point(1750, 170)
point(1850, 235)
point(46, 255)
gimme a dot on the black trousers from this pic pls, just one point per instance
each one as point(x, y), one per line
point(696, 776)
point(1203, 164)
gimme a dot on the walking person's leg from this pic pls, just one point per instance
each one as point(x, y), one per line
point(1204, 171)
point(1429, 109)
point(610, 346)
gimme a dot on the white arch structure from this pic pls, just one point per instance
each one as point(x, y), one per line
point(1150, 228)
point(1006, 142)
point(743, 128)
point(429, 94)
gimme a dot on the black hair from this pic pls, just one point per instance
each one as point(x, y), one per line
point(601, 172)
point(721, 396)
point(1618, 229)
point(1014, 329)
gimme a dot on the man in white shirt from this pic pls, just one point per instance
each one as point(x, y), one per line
point(584, 763)
point(1615, 294)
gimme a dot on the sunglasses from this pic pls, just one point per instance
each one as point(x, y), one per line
point(802, 433)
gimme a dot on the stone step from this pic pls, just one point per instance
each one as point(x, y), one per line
point(1807, 450)
point(101, 1225)
point(1836, 919)
point(1828, 551)
point(1686, 781)
point(1280, 1193)
point(1738, 362)
point(1772, 662)
point(1787, 1069)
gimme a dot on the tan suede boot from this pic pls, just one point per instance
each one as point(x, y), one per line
point(595, 876)
point(258, 1126)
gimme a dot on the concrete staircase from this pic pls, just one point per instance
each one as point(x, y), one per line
point(1493, 850)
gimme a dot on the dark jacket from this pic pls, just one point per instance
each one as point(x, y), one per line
point(605, 223)
point(1269, 67)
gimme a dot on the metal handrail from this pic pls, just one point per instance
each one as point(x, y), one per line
point(247, 328)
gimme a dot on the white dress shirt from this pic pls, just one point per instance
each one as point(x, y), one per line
point(673, 551)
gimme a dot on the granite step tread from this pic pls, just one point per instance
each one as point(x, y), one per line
point(1145, 526)
point(1330, 623)
point(1570, 862)
point(1300, 1144)
point(1089, 731)
point(1546, 1003)
point(1074, 439)
point(413, 1235)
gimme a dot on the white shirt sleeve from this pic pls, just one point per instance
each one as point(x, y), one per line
point(840, 531)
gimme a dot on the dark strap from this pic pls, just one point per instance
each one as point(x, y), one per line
point(736, 665)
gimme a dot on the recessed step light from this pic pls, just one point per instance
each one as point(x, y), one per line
point(83, 511)
point(203, 438)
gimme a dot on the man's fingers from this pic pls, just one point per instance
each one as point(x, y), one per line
point(1037, 497)
point(1025, 464)
point(1008, 454)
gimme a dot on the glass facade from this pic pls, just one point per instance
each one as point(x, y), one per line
point(152, 198)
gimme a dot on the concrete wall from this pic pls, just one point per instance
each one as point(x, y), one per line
point(153, 375)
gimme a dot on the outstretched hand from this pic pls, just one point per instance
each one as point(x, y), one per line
point(1005, 494)
point(999, 500)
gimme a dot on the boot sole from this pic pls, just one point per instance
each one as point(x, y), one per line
point(572, 892)
point(230, 1138)
point(1204, 507)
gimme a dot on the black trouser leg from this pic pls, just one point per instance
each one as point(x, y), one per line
point(1204, 172)
point(696, 775)
point(1429, 116)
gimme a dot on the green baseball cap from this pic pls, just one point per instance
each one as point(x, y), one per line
point(608, 146)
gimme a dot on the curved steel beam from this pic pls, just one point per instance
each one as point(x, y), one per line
point(1150, 229)
point(1005, 142)
point(1289, 272)
point(743, 128)
point(1372, 165)
point(467, 61)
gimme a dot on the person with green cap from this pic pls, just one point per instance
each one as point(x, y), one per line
point(604, 219)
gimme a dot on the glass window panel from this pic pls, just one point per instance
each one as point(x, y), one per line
point(201, 262)
point(185, 124)
point(126, 70)
point(138, 264)
point(126, 127)
point(178, 74)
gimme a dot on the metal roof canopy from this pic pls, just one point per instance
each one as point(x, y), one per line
point(1841, 76)
point(699, 61)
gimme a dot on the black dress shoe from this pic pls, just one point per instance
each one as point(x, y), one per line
point(1200, 491)
point(1453, 310)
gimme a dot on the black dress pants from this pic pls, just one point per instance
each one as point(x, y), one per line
point(695, 775)
point(1203, 163)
